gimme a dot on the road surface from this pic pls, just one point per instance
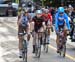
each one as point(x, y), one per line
point(9, 45)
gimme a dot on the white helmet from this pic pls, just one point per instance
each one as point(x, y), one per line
point(38, 11)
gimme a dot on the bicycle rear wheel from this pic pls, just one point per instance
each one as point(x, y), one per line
point(45, 47)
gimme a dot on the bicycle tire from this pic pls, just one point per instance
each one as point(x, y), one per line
point(64, 50)
point(44, 43)
point(47, 48)
point(39, 48)
point(36, 51)
point(24, 51)
point(60, 50)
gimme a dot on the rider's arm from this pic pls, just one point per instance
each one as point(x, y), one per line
point(18, 19)
point(50, 17)
point(67, 21)
point(56, 22)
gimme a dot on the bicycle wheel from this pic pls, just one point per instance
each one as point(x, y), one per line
point(39, 48)
point(24, 51)
point(25, 56)
point(36, 50)
point(44, 43)
point(60, 47)
point(64, 50)
point(46, 47)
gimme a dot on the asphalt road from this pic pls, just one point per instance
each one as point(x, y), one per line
point(9, 46)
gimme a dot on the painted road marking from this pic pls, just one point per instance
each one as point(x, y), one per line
point(67, 55)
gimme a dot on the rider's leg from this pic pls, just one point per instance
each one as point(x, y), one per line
point(20, 46)
point(27, 29)
point(57, 42)
point(48, 36)
point(65, 33)
point(41, 34)
point(20, 30)
point(34, 40)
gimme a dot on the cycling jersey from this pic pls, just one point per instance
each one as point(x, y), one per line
point(60, 20)
point(37, 23)
point(47, 17)
point(24, 20)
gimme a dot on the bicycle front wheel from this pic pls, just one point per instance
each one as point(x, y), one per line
point(24, 54)
point(64, 50)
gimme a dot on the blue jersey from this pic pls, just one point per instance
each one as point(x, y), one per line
point(25, 20)
point(60, 20)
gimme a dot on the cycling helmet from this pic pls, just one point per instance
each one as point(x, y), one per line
point(38, 11)
point(61, 10)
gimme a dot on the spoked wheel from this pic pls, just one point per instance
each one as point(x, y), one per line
point(64, 50)
point(38, 49)
point(38, 52)
point(60, 49)
point(45, 45)
point(24, 55)
point(46, 48)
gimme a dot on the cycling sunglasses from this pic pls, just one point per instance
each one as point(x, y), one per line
point(61, 13)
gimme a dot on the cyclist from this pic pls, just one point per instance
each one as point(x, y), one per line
point(48, 21)
point(23, 26)
point(61, 18)
point(38, 26)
